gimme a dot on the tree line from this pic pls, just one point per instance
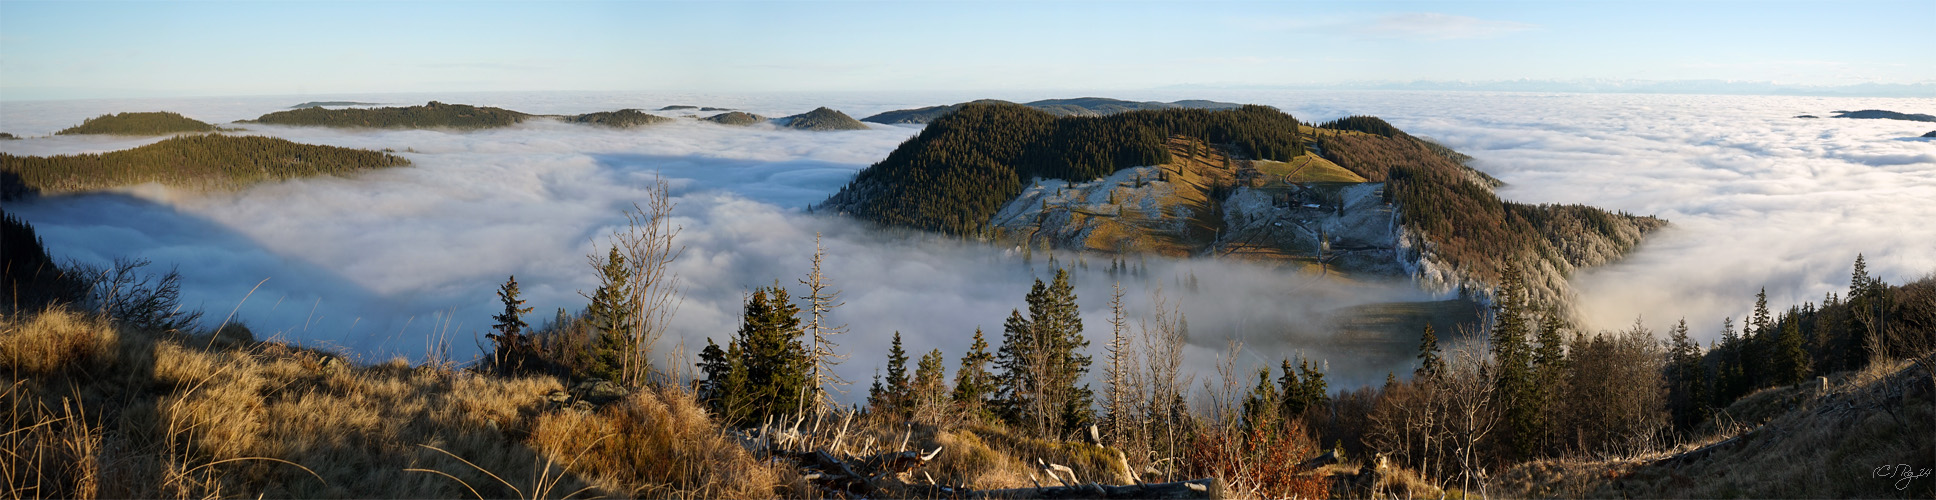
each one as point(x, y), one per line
point(197, 161)
point(432, 115)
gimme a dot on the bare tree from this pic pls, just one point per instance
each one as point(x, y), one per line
point(646, 242)
point(1119, 399)
point(1473, 409)
point(134, 298)
point(1164, 335)
point(822, 299)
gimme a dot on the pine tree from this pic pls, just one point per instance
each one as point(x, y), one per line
point(512, 348)
point(973, 383)
point(1512, 354)
point(1731, 379)
point(877, 396)
point(773, 354)
point(1549, 373)
point(1431, 364)
point(1041, 361)
point(1291, 402)
point(1261, 405)
point(897, 376)
point(1791, 361)
point(714, 366)
point(929, 394)
point(1759, 345)
point(1685, 379)
point(610, 316)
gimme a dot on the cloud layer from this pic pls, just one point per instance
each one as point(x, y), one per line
point(385, 262)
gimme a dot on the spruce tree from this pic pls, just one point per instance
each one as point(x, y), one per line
point(897, 376)
point(714, 366)
point(512, 349)
point(1291, 402)
point(1431, 363)
point(929, 391)
point(1686, 379)
point(973, 383)
point(1511, 352)
point(1791, 361)
point(1041, 361)
point(610, 316)
point(1261, 405)
point(775, 358)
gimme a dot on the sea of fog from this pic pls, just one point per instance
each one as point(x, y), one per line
point(389, 262)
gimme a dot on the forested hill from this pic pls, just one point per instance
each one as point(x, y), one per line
point(624, 118)
point(149, 123)
point(432, 115)
point(823, 119)
point(1081, 106)
point(964, 166)
point(1472, 232)
point(197, 161)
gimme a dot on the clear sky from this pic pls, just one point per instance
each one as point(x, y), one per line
point(114, 49)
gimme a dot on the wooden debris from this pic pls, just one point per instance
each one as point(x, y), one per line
point(1198, 488)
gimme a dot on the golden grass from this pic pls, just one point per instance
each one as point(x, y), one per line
point(100, 411)
point(659, 443)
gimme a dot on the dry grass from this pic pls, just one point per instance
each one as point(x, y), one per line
point(1819, 444)
point(659, 444)
point(100, 411)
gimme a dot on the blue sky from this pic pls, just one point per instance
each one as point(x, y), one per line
point(112, 49)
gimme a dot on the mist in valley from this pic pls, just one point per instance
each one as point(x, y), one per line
point(389, 262)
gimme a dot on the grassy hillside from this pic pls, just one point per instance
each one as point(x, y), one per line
point(624, 118)
point(100, 410)
point(432, 115)
point(200, 161)
point(150, 123)
point(1847, 435)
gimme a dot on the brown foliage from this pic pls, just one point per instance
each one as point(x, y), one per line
point(1263, 462)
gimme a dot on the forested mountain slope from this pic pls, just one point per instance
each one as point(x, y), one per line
point(1239, 182)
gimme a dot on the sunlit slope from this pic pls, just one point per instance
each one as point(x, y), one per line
point(212, 161)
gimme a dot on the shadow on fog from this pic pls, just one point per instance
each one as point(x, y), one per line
point(292, 299)
point(792, 184)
